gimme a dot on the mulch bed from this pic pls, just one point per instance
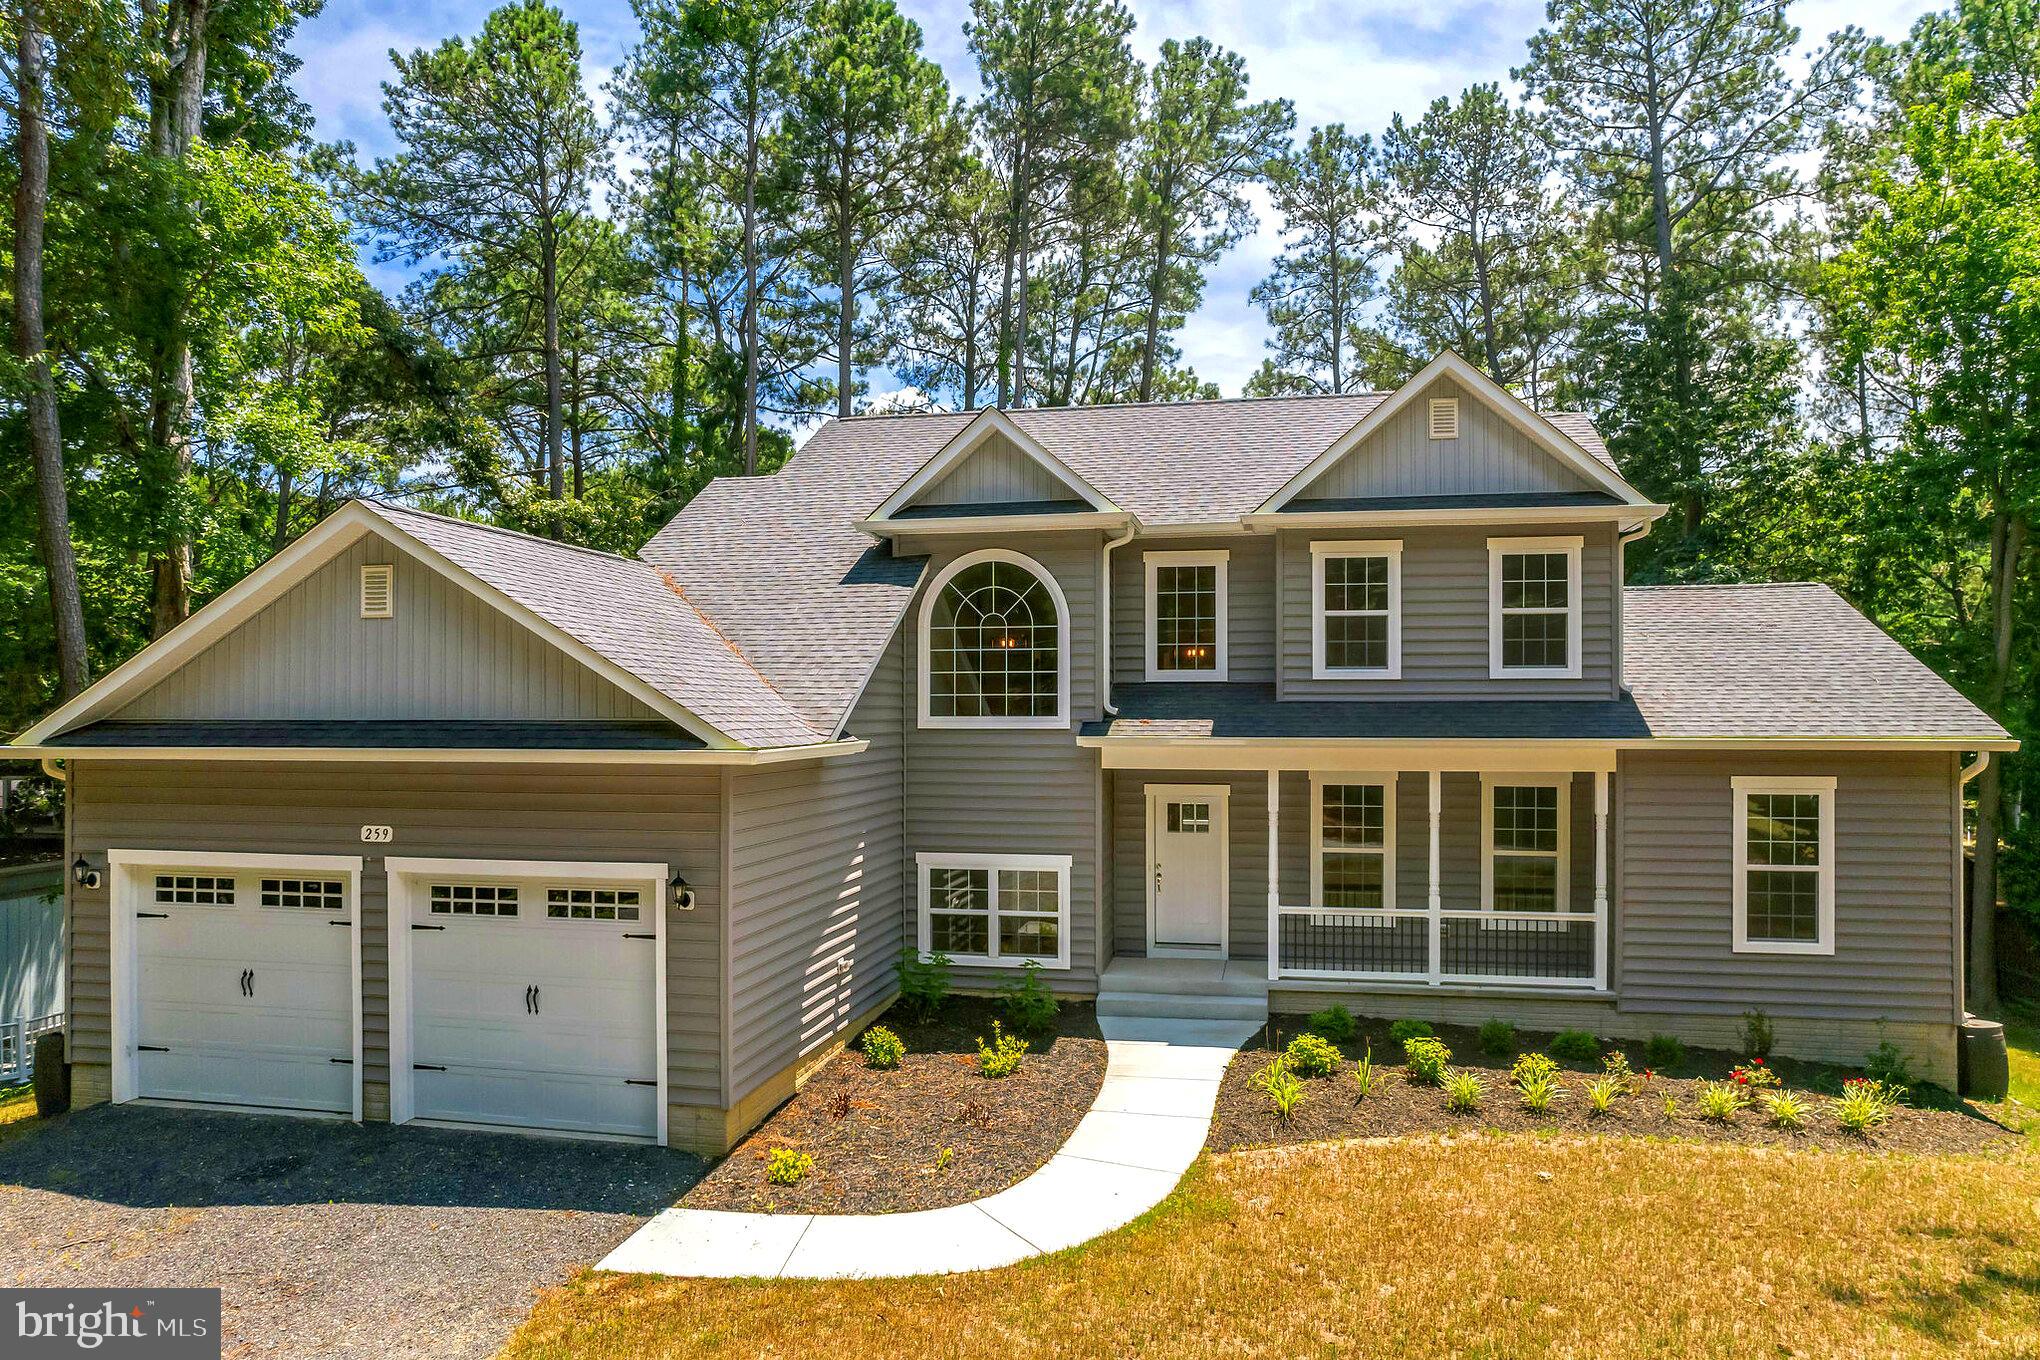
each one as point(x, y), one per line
point(1399, 1107)
point(878, 1138)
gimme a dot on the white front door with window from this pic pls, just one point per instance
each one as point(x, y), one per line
point(1186, 869)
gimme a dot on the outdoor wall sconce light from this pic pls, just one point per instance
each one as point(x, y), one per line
point(83, 874)
point(683, 896)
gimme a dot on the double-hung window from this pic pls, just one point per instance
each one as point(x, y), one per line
point(1534, 608)
point(1356, 610)
point(1352, 863)
point(1784, 866)
point(1186, 615)
point(998, 910)
point(1527, 833)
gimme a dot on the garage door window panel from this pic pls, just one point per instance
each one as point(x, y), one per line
point(593, 904)
point(473, 899)
point(194, 890)
point(307, 894)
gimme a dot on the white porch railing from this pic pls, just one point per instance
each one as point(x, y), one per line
point(1492, 948)
point(17, 1045)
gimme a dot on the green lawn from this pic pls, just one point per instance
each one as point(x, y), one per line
point(2022, 1033)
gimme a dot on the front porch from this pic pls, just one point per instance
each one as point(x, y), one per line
point(1484, 870)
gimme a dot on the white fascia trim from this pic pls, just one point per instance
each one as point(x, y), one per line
point(991, 420)
point(124, 871)
point(1318, 780)
point(1575, 645)
point(1505, 403)
point(996, 524)
point(1061, 717)
point(1822, 787)
point(1320, 551)
point(927, 861)
point(452, 755)
point(1562, 784)
point(1635, 516)
point(1219, 558)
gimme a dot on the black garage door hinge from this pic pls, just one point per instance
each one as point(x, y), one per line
point(416, 926)
point(629, 936)
point(638, 1081)
point(427, 1067)
point(339, 923)
point(152, 916)
point(150, 1048)
point(348, 1061)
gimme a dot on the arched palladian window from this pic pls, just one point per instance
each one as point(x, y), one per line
point(994, 645)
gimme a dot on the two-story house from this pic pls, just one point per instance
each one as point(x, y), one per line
point(1206, 708)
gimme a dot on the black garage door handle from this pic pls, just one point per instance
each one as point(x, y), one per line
point(416, 926)
point(427, 1067)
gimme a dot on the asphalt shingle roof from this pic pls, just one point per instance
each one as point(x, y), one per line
point(434, 734)
point(1247, 710)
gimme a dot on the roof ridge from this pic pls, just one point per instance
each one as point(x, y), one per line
point(381, 504)
point(1119, 405)
point(1724, 585)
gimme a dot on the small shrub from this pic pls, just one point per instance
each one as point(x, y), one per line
point(1335, 1023)
point(1001, 1057)
point(1757, 1035)
point(1786, 1109)
point(1311, 1056)
point(1365, 1077)
point(1532, 1067)
point(1027, 1001)
point(924, 981)
point(784, 1166)
point(943, 1156)
point(1755, 1075)
point(1602, 1093)
point(882, 1048)
point(1865, 1104)
point(1540, 1091)
point(1574, 1045)
point(1615, 1067)
point(1402, 1031)
point(1284, 1091)
point(1720, 1100)
point(1888, 1065)
point(1463, 1090)
point(1664, 1051)
point(1497, 1037)
point(1426, 1058)
point(1671, 1106)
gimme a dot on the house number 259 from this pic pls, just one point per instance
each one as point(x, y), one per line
point(378, 835)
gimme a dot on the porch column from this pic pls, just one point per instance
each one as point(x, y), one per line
point(1434, 903)
point(1274, 875)
point(1601, 879)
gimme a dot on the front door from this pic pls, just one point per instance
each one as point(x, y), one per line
point(1186, 869)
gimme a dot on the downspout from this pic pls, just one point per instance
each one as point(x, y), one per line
point(1622, 542)
point(1974, 768)
point(1105, 632)
point(1968, 772)
point(49, 767)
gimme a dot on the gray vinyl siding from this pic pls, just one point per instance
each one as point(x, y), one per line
point(445, 654)
point(1895, 896)
point(1401, 459)
point(816, 863)
point(996, 473)
point(564, 812)
point(1459, 847)
point(1250, 605)
point(1027, 791)
point(1445, 616)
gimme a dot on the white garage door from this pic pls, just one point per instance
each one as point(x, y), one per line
point(532, 1005)
point(244, 987)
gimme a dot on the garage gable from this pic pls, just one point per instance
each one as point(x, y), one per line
point(349, 642)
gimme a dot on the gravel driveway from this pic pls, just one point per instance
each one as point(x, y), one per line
point(327, 1239)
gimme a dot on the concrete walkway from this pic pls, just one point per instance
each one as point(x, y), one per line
point(1139, 1137)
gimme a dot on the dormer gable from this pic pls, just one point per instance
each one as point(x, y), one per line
point(991, 469)
point(1451, 435)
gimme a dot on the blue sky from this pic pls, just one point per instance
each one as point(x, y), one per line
point(1350, 63)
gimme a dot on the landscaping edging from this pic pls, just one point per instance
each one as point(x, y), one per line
point(878, 1138)
point(1398, 1107)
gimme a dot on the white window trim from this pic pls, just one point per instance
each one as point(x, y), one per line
point(1217, 558)
point(1823, 787)
point(1318, 782)
point(1061, 716)
point(1562, 902)
point(1321, 552)
point(1571, 546)
point(929, 861)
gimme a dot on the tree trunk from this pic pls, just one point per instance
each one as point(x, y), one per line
point(549, 283)
point(1154, 311)
point(2007, 543)
point(1019, 393)
point(676, 432)
point(1005, 328)
point(280, 536)
point(45, 438)
point(750, 338)
point(846, 306)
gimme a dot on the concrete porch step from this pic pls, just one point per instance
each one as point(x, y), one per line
point(1164, 1006)
point(1185, 989)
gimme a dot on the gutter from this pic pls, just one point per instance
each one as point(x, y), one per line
point(441, 755)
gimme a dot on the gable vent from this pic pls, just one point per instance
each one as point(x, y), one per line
point(378, 591)
point(1444, 417)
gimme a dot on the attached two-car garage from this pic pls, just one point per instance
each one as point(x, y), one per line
point(524, 995)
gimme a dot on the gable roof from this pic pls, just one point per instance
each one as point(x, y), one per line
point(616, 615)
point(1781, 661)
point(988, 424)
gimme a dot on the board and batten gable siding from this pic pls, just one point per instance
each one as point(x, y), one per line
point(1896, 869)
point(517, 812)
point(1401, 459)
point(445, 654)
point(1445, 616)
point(816, 855)
point(1250, 604)
point(1029, 791)
point(996, 473)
